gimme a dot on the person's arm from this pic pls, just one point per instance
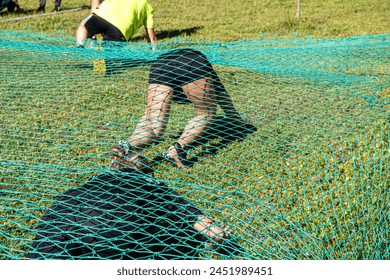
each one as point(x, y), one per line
point(95, 4)
point(149, 26)
point(209, 228)
point(151, 36)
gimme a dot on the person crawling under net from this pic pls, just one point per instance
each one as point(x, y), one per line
point(183, 76)
point(124, 213)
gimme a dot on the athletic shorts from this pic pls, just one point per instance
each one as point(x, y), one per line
point(178, 68)
point(96, 25)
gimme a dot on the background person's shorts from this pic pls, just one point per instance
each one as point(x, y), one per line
point(97, 25)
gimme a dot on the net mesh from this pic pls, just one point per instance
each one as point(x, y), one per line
point(309, 181)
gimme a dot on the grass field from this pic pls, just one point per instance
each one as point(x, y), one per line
point(310, 183)
point(229, 20)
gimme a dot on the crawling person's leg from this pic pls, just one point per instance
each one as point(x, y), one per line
point(153, 123)
point(201, 94)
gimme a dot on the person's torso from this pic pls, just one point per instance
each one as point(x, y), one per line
point(127, 15)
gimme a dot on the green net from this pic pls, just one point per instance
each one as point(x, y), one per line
point(310, 180)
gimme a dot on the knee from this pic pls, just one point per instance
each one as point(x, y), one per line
point(81, 30)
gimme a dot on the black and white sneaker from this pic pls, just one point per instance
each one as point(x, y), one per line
point(119, 152)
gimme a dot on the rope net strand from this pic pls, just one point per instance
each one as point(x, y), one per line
point(307, 178)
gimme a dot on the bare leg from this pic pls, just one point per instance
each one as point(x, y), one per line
point(201, 95)
point(81, 35)
point(153, 123)
point(82, 32)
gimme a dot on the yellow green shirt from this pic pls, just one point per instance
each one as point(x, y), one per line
point(127, 15)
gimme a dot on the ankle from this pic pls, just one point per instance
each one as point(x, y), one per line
point(181, 145)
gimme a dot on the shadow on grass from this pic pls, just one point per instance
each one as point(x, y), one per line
point(222, 129)
point(167, 34)
point(110, 66)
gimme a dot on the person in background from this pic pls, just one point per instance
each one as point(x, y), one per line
point(11, 5)
point(42, 5)
point(117, 20)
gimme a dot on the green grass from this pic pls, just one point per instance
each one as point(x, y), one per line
point(311, 182)
point(229, 20)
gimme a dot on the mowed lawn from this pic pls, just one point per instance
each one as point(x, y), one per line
point(229, 20)
point(300, 186)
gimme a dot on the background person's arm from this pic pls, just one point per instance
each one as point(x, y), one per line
point(151, 36)
point(95, 4)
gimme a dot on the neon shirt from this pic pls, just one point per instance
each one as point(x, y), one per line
point(127, 15)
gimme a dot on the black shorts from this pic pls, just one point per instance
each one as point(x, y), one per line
point(178, 68)
point(96, 25)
